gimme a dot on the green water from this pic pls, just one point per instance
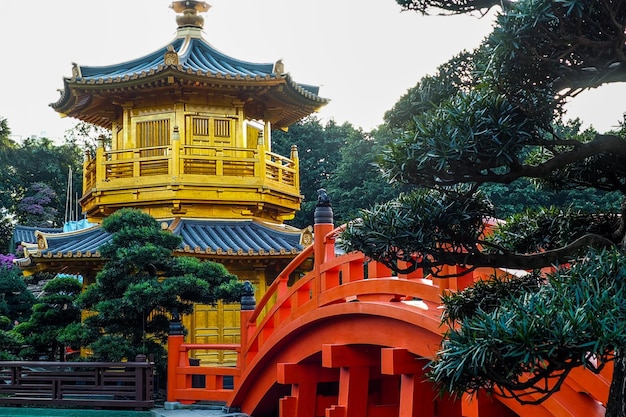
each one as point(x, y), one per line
point(62, 412)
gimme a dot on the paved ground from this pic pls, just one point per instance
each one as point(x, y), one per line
point(194, 413)
point(177, 410)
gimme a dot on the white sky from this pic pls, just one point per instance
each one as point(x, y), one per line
point(364, 54)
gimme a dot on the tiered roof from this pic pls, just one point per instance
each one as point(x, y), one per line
point(189, 63)
point(212, 238)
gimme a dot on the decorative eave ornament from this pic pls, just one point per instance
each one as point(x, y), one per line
point(190, 10)
point(76, 70)
point(279, 67)
point(171, 57)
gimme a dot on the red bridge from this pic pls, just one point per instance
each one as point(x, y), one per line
point(348, 339)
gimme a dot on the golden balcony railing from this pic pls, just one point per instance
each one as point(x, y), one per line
point(280, 169)
point(191, 164)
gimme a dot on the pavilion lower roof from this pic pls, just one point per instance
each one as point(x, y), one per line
point(234, 238)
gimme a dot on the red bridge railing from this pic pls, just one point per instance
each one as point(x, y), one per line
point(334, 279)
point(342, 278)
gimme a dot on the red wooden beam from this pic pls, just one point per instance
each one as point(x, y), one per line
point(353, 390)
point(291, 373)
point(416, 395)
point(398, 361)
point(287, 407)
point(341, 356)
point(354, 375)
point(336, 411)
point(303, 380)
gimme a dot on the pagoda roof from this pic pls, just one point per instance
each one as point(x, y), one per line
point(26, 234)
point(195, 64)
point(245, 237)
point(227, 238)
point(194, 54)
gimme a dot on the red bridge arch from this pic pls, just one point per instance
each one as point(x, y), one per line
point(350, 340)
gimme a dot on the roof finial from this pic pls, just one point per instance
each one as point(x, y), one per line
point(189, 10)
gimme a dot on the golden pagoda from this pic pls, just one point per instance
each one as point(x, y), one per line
point(191, 145)
point(191, 130)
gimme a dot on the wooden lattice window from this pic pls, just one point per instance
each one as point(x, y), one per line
point(221, 131)
point(153, 133)
point(212, 131)
point(222, 128)
point(201, 127)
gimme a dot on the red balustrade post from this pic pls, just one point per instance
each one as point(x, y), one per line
point(283, 287)
point(248, 304)
point(463, 279)
point(174, 341)
point(323, 225)
point(377, 270)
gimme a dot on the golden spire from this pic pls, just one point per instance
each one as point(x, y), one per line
point(190, 10)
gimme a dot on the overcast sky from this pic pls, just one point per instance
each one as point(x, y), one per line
point(364, 54)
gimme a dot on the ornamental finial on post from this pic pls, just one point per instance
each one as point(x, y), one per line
point(248, 303)
point(324, 209)
point(176, 327)
point(190, 10)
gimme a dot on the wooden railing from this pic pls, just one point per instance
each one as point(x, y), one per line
point(280, 170)
point(136, 162)
point(94, 384)
point(219, 161)
point(188, 163)
point(89, 176)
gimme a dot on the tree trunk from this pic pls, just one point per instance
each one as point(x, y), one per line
point(616, 404)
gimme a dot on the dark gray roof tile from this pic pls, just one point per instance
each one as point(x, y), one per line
point(247, 237)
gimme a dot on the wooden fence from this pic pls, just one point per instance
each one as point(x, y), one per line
point(91, 384)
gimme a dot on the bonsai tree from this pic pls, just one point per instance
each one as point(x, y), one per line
point(54, 311)
point(140, 284)
point(10, 340)
point(495, 120)
point(15, 305)
point(15, 298)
